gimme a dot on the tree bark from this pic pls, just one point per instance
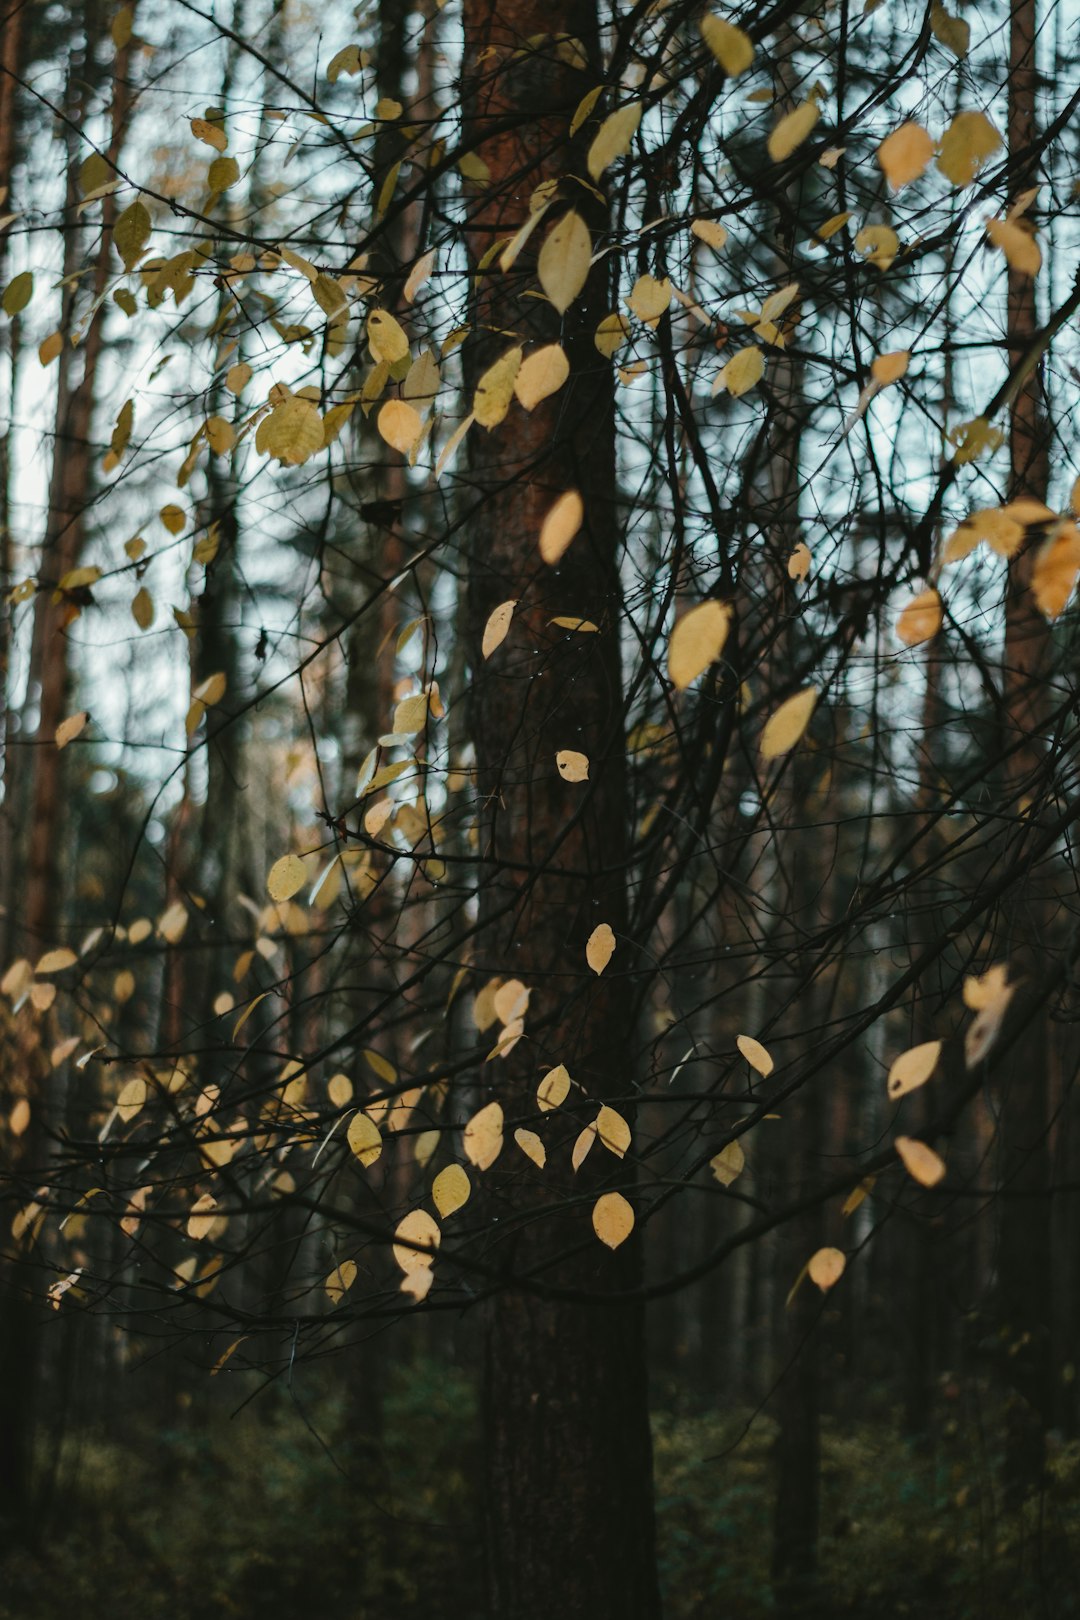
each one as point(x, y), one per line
point(568, 1472)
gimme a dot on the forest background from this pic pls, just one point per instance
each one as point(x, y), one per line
point(538, 907)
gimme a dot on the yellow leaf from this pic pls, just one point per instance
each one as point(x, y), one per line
point(613, 138)
point(133, 1095)
point(835, 223)
point(417, 1284)
point(339, 1089)
point(211, 690)
point(613, 1219)
point(611, 334)
point(222, 173)
point(380, 1066)
point(210, 134)
point(1057, 563)
point(758, 1056)
point(728, 1164)
point(742, 372)
point(237, 377)
point(710, 232)
point(826, 1267)
point(889, 368)
point(561, 523)
point(292, 433)
point(50, 348)
point(905, 154)
point(697, 641)
point(410, 715)
point(364, 1138)
point(340, 1280)
point(649, 298)
point(921, 619)
point(399, 425)
point(585, 107)
point(511, 1001)
point(286, 878)
point(858, 1195)
point(131, 233)
point(495, 390)
point(563, 265)
point(1018, 245)
point(56, 961)
point(553, 1089)
point(450, 1190)
point(347, 61)
point(572, 766)
point(613, 1131)
point(953, 32)
point(913, 1068)
point(70, 728)
point(784, 728)
point(967, 143)
point(600, 948)
point(142, 608)
point(18, 293)
point(792, 130)
point(921, 1162)
point(879, 245)
point(387, 338)
point(495, 630)
point(482, 1138)
point(418, 1236)
point(531, 1145)
point(202, 1217)
point(798, 564)
point(420, 272)
point(733, 49)
point(543, 373)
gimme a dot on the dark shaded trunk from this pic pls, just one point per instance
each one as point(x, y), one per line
point(568, 1481)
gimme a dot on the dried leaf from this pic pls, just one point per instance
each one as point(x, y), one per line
point(483, 1136)
point(560, 525)
point(450, 1190)
point(728, 1164)
point(70, 728)
point(967, 143)
point(553, 1089)
point(758, 1056)
point(563, 265)
point(905, 155)
point(613, 1219)
point(913, 1068)
point(364, 1138)
point(1057, 564)
point(697, 641)
point(340, 1280)
point(784, 728)
point(889, 368)
point(600, 948)
point(495, 630)
point(532, 1147)
point(572, 766)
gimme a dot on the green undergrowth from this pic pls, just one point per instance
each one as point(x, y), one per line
point(285, 1510)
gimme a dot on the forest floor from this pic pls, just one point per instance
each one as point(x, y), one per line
point(284, 1511)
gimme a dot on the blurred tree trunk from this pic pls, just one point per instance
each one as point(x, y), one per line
point(568, 1472)
point(1025, 1262)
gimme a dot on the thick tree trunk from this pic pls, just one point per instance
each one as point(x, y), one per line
point(569, 1491)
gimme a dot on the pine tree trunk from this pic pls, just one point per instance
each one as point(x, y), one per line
point(568, 1480)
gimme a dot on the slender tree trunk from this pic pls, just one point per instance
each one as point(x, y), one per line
point(568, 1473)
point(1025, 1261)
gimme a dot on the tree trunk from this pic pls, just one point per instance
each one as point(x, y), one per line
point(568, 1481)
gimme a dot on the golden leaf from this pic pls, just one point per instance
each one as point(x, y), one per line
point(920, 620)
point(921, 1162)
point(418, 1235)
point(482, 1138)
point(710, 232)
point(905, 155)
point(792, 130)
point(728, 1164)
point(399, 425)
point(364, 1138)
point(612, 1219)
point(340, 1280)
point(572, 766)
point(286, 878)
point(495, 389)
point(561, 523)
point(1018, 245)
point(611, 334)
point(600, 948)
point(913, 1068)
point(202, 1217)
point(758, 1056)
point(613, 138)
point(798, 564)
point(613, 1131)
point(553, 1089)
point(953, 32)
point(582, 1147)
point(826, 1267)
point(742, 372)
point(1057, 563)
point(420, 272)
point(697, 641)
point(70, 728)
point(879, 245)
point(339, 1088)
point(889, 368)
point(967, 143)
point(450, 1190)
point(784, 728)
point(733, 49)
point(497, 626)
point(132, 1098)
point(387, 338)
point(542, 373)
point(56, 961)
point(532, 1147)
point(563, 265)
point(649, 298)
